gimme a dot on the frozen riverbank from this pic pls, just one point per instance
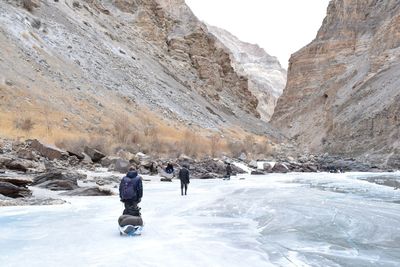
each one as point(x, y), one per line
point(274, 220)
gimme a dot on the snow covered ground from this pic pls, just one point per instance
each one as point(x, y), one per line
point(274, 220)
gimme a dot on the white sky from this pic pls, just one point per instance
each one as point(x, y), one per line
point(281, 27)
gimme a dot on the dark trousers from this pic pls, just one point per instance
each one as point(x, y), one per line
point(183, 185)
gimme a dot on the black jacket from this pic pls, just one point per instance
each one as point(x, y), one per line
point(184, 175)
point(228, 170)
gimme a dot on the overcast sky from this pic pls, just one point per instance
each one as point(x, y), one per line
point(281, 27)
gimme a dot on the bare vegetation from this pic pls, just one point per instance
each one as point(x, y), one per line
point(29, 5)
point(24, 124)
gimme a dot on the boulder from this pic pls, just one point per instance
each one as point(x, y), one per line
point(94, 154)
point(88, 191)
point(24, 153)
point(280, 168)
point(267, 166)
point(86, 159)
point(58, 180)
point(242, 157)
point(18, 181)
point(58, 185)
point(48, 151)
point(210, 175)
point(19, 165)
point(73, 161)
point(78, 154)
point(185, 158)
point(253, 164)
point(122, 165)
point(257, 172)
point(108, 161)
point(11, 190)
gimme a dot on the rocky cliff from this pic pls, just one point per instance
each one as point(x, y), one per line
point(81, 63)
point(266, 76)
point(343, 90)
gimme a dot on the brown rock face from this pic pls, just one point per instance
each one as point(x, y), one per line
point(342, 94)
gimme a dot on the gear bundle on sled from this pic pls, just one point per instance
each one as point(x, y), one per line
point(130, 225)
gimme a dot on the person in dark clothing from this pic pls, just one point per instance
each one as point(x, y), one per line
point(184, 177)
point(131, 192)
point(228, 171)
point(169, 169)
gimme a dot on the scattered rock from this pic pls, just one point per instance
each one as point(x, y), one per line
point(280, 168)
point(48, 151)
point(267, 166)
point(58, 180)
point(76, 153)
point(10, 190)
point(253, 164)
point(26, 154)
point(94, 154)
point(122, 165)
point(257, 172)
point(89, 191)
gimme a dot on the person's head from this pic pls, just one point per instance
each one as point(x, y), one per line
point(132, 173)
point(228, 164)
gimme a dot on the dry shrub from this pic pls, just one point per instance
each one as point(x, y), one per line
point(122, 129)
point(76, 145)
point(264, 149)
point(215, 145)
point(191, 144)
point(29, 5)
point(235, 148)
point(24, 124)
point(249, 143)
point(100, 143)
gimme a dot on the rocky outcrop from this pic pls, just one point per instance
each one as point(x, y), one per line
point(48, 151)
point(94, 154)
point(266, 77)
point(15, 187)
point(342, 94)
point(58, 180)
point(88, 191)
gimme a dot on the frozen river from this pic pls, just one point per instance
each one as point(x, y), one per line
point(274, 220)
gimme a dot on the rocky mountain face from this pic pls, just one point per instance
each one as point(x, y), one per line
point(87, 61)
point(343, 89)
point(266, 77)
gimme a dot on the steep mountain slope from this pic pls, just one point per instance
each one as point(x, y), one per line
point(343, 89)
point(81, 63)
point(266, 76)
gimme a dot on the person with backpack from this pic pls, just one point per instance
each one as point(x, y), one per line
point(131, 192)
point(184, 177)
point(170, 168)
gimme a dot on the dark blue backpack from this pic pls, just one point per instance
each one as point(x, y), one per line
point(127, 189)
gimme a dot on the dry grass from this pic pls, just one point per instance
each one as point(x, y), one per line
point(134, 129)
point(29, 5)
point(25, 124)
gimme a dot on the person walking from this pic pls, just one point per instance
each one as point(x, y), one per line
point(184, 177)
point(131, 192)
point(228, 171)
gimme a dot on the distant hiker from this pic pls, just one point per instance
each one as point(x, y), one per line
point(228, 171)
point(131, 192)
point(152, 169)
point(184, 177)
point(169, 169)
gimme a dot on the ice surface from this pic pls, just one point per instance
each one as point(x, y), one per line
point(274, 220)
